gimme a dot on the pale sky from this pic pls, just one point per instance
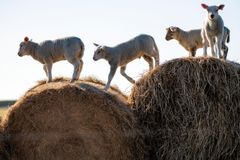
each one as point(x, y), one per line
point(107, 22)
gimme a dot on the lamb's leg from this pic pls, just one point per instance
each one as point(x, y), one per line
point(219, 45)
point(45, 69)
point(225, 51)
point(204, 49)
point(80, 68)
point(122, 71)
point(76, 71)
point(211, 44)
point(156, 58)
point(204, 42)
point(149, 60)
point(192, 52)
point(110, 76)
point(49, 72)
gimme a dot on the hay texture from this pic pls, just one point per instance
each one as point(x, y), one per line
point(4, 155)
point(189, 109)
point(73, 121)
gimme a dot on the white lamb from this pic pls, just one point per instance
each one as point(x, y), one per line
point(48, 52)
point(120, 55)
point(192, 40)
point(213, 30)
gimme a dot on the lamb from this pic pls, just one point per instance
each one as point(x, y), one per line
point(120, 55)
point(49, 52)
point(213, 30)
point(192, 40)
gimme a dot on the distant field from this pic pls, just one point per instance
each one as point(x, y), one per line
point(4, 106)
point(3, 111)
point(6, 103)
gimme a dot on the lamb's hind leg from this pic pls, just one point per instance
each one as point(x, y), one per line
point(122, 71)
point(156, 58)
point(149, 60)
point(225, 51)
point(49, 72)
point(77, 69)
point(80, 68)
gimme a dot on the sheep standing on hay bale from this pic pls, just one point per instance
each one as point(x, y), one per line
point(49, 52)
point(192, 40)
point(189, 110)
point(71, 121)
point(119, 56)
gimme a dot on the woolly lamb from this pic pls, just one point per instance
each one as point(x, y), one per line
point(120, 55)
point(213, 29)
point(192, 40)
point(49, 52)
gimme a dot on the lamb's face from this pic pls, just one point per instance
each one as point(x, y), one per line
point(23, 49)
point(212, 11)
point(172, 33)
point(99, 53)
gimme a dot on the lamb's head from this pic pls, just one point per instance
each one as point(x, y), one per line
point(99, 53)
point(24, 47)
point(212, 11)
point(172, 33)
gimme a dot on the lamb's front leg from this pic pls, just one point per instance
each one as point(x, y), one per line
point(219, 46)
point(122, 71)
point(113, 69)
point(204, 42)
point(49, 71)
point(192, 53)
point(205, 49)
point(211, 44)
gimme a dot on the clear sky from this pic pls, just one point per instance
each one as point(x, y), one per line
point(107, 22)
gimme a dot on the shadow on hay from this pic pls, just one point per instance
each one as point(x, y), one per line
point(190, 109)
point(62, 120)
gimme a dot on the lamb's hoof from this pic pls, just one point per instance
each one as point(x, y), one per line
point(73, 80)
point(222, 57)
point(105, 89)
point(48, 81)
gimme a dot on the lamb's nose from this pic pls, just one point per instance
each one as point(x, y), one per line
point(212, 16)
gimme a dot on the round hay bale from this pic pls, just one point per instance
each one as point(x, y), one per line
point(62, 120)
point(3, 152)
point(190, 109)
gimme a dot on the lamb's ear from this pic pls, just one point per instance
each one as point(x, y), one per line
point(103, 48)
point(26, 39)
point(95, 44)
point(172, 29)
point(177, 29)
point(204, 6)
point(221, 6)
